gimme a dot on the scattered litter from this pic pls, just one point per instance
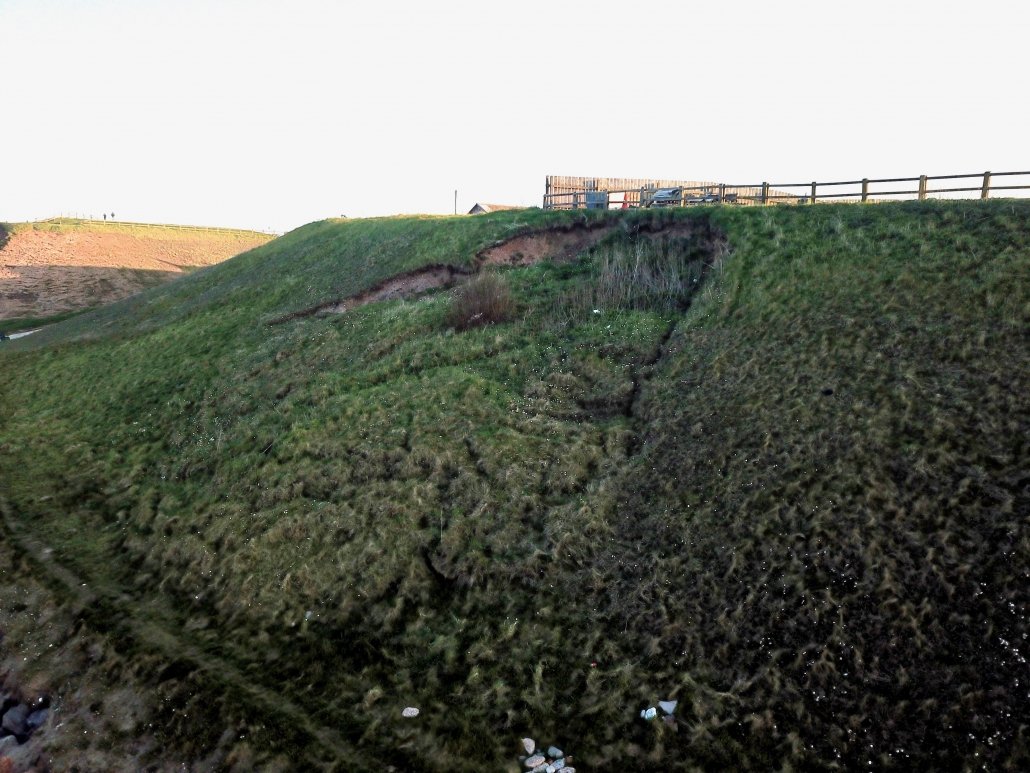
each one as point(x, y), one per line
point(15, 336)
point(538, 762)
point(649, 713)
point(410, 712)
point(668, 706)
point(597, 311)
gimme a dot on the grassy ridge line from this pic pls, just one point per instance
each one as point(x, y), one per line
point(102, 605)
point(60, 224)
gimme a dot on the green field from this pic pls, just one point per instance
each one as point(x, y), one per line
point(768, 462)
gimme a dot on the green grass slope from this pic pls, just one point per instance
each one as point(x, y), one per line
point(771, 465)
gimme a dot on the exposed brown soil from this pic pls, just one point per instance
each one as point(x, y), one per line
point(557, 244)
point(47, 272)
point(401, 286)
point(551, 244)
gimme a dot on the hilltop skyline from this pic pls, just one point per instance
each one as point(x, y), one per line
point(267, 116)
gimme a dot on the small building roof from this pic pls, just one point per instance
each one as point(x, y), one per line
point(482, 207)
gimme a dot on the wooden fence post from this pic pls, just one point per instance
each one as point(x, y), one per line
point(722, 192)
point(765, 193)
point(813, 191)
point(922, 187)
point(865, 189)
point(986, 190)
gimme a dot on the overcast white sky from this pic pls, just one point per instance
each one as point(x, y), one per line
point(270, 114)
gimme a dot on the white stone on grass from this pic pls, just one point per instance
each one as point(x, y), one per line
point(410, 712)
point(529, 745)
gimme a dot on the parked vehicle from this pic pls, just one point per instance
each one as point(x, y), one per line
point(676, 197)
point(666, 197)
point(708, 197)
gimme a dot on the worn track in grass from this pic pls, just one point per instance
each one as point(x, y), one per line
point(104, 607)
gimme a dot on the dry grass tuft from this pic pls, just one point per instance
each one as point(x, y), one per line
point(485, 300)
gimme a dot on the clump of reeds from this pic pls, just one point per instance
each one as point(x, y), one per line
point(660, 275)
point(485, 300)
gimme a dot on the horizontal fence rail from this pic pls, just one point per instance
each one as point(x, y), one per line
point(603, 193)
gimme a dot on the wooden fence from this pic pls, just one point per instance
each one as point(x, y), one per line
point(608, 193)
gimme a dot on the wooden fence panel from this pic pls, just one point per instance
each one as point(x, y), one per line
point(567, 192)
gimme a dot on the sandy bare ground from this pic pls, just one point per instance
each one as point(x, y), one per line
point(45, 272)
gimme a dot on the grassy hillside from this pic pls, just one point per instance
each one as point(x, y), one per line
point(770, 463)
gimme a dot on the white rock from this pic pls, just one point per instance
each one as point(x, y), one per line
point(410, 712)
point(668, 706)
point(535, 761)
point(554, 752)
point(529, 745)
